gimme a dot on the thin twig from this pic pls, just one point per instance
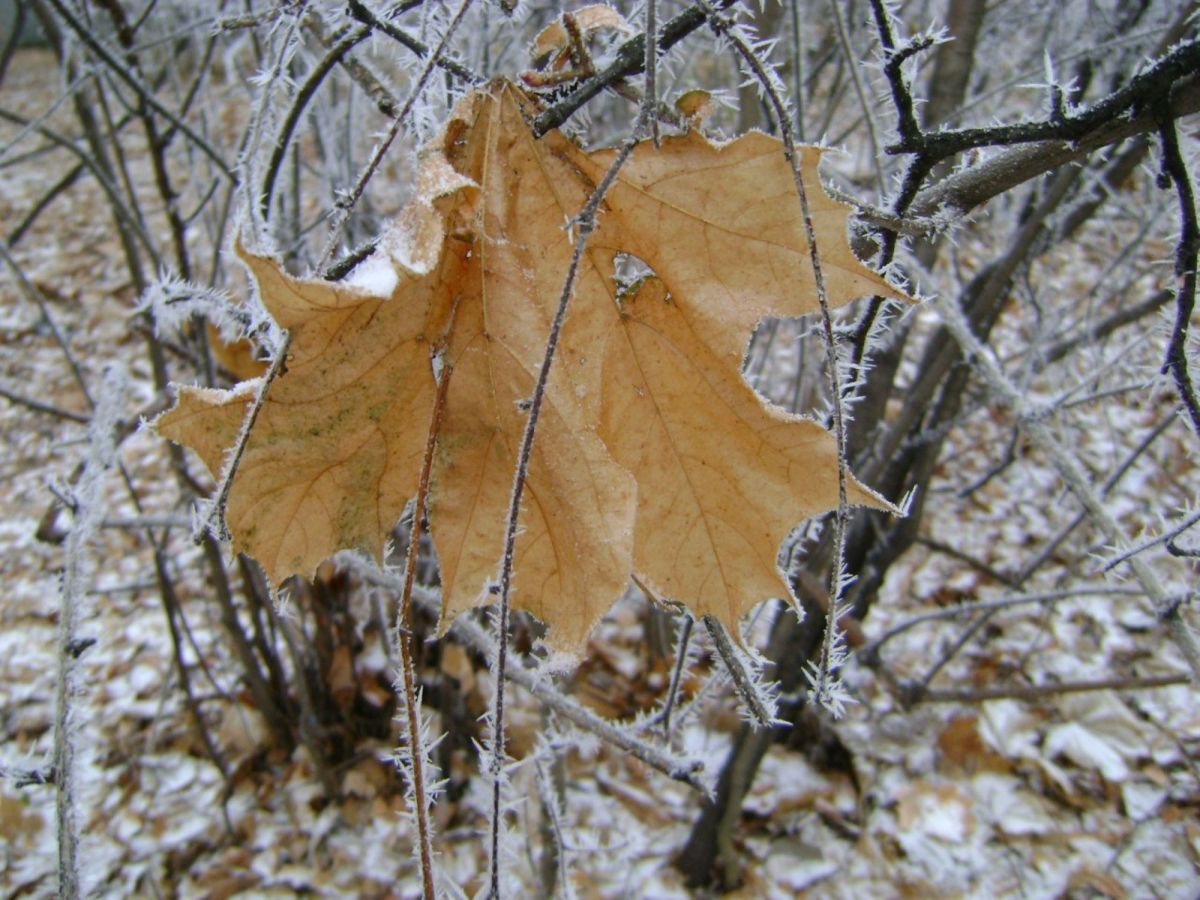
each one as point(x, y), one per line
point(918, 169)
point(16, 26)
point(764, 718)
point(1175, 171)
point(252, 139)
point(1036, 692)
point(584, 223)
point(663, 718)
point(650, 88)
point(856, 80)
point(144, 92)
point(403, 633)
point(630, 59)
point(384, 100)
point(552, 806)
point(977, 564)
point(1050, 548)
point(299, 103)
point(37, 123)
point(35, 296)
point(1167, 537)
point(687, 771)
point(893, 62)
point(216, 512)
point(101, 452)
point(119, 207)
point(346, 204)
point(824, 687)
point(362, 12)
point(56, 190)
point(1148, 86)
point(41, 406)
point(871, 652)
point(470, 634)
point(171, 609)
point(962, 191)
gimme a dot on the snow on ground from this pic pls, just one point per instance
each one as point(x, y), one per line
point(1091, 794)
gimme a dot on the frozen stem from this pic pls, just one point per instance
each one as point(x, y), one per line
point(346, 205)
point(87, 510)
point(215, 518)
point(743, 680)
point(584, 223)
point(472, 635)
point(663, 718)
point(824, 679)
point(402, 638)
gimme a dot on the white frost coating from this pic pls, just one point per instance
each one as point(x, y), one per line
point(173, 303)
point(1002, 802)
point(1087, 750)
point(941, 814)
point(402, 245)
point(440, 179)
point(1010, 729)
point(246, 390)
point(375, 275)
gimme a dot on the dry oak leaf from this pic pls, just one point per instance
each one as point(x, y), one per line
point(652, 455)
point(551, 48)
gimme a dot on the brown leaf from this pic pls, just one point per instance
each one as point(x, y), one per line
point(236, 357)
point(574, 553)
point(332, 459)
point(341, 678)
point(721, 226)
point(648, 432)
point(551, 48)
point(731, 475)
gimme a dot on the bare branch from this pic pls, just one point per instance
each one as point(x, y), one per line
point(1175, 172)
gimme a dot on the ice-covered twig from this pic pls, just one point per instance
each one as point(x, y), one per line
point(145, 92)
point(471, 634)
point(870, 653)
point(758, 698)
point(584, 223)
point(651, 65)
point(214, 519)
point(663, 718)
point(88, 513)
point(1032, 693)
point(630, 59)
point(773, 91)
point(41, 406)
point(1165, 538)
point(363, 13)
point(1187, 249)
point(406, 680)
point(35, 297)
point(346, 204)
point(308, 89)
point(680, 769)
point(860, 92)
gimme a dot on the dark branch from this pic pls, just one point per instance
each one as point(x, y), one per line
point(1174, 171)
point(362, 13)
point(1142, 90)
point(965, 190)
point(631, 59)
point(894, 59)
point(300, 103)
